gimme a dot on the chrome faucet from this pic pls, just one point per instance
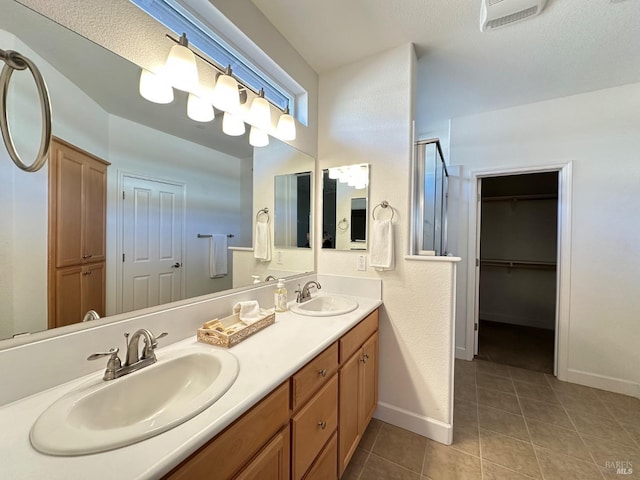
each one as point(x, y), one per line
point(134, 361)
point(302, 295)
point(270, 278)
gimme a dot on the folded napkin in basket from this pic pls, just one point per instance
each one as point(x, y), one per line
point(249, 311)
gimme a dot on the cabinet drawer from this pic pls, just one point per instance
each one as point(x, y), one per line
point(325, 467)
point(355, 337)
point(313, 375)
point(312, 426)
point(229, 451)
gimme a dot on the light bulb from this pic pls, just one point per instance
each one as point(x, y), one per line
point(155, 88)
point(286, 129)
point(181, 69)
point(225, 93)
point(232, 125)
point(334, 173)
point(260, 112)
point(258, 138)
point(199, 110)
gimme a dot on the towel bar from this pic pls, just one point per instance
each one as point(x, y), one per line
point(200, 235)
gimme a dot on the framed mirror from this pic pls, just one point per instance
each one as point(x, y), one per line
point(345, 207)
point(292, 213)
point(221, 180)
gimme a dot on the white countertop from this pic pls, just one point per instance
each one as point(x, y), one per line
point(266, 360)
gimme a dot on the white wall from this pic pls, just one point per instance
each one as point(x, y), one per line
point(600, 133)
point(365, 116)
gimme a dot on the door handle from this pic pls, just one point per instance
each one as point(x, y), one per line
point(176, 265)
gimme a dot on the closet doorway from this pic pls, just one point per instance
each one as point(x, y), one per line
point(517, 274)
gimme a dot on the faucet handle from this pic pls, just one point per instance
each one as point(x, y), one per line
point(113, 352)
point(113, 364)
point(148, 349)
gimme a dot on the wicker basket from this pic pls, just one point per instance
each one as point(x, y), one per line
point(222, 339)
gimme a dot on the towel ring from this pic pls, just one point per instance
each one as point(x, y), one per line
point(263, 211)
point(343, 225)
point(383, 204)
point(15, 61)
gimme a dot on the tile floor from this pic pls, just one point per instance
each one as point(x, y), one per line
point(512, 424)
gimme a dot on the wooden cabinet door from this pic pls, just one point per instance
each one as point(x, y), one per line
point(326, 465)
point(348, 411)
point(368, 382)
point(272, 463)
point(68, 299)
point(93, 288)
point(95, 211)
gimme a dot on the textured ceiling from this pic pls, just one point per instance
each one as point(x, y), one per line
point(574, 46)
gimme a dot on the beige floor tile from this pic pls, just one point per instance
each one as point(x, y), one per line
point(513, 454)
point(568, 388)
point(545, 412)
point(534, 391)
point(557, 439)
point(377, 468)
point(556, 466)
point(491, 471)
point(633, 429)
point(465, 412)
point(503, 422)
point(584, 404)
point(353, 470)
point(623, 471)
point(607, 428)
point(370, 434)
point(500, 400)
point(607, 453)
point(464, 377)
point(464, 365)
point(401, 446)
point(465, 392)
point(445, 463)
point(522, 375)
point(491, 368)
point(466, 438)
point(618, 400)
point(494, 382)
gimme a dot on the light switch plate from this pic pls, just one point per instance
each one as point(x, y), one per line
point(362, 263)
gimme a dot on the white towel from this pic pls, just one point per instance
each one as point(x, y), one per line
point(262, 242)
point(381, 254)
point(249, 311)
point(217, 256)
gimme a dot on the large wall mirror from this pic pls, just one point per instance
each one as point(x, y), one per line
point(345, 207)
point(221, 181)
point(293, 196)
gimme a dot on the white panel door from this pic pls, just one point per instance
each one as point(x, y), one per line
point(153, 219)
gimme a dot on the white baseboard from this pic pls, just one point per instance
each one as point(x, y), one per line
point(604, 382)
point(425, 426)
point(461, 353)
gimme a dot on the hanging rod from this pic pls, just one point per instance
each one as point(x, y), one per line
point(15, 61)
point(518, 264)
point(200, 235)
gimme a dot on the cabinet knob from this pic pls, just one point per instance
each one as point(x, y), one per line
point(88, 272)
point(322, 425)
point(323, 372)
point(84, 257)
point(364, 358)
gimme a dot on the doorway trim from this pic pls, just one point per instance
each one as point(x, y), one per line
point(119, 283)
point(563, 274)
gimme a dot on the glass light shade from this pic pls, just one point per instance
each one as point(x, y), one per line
point(232, 125)
point(181, 69)
point(260, 114)
point(286, 129)
point(199, 110)
point(225, 94)
point(155, 88)
point(258, 138)
point(334, 173)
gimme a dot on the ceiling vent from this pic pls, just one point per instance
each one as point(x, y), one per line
point(499, 13)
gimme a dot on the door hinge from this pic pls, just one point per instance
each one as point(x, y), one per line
point(475, 327)
point(123, 194)
point(123, 258)
point(477, 262)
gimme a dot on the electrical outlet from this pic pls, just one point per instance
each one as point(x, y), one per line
point(362, 263)
point(279, 257)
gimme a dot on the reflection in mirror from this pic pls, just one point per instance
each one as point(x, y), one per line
point(156, 157)
point(345, 206)
point(293, 210)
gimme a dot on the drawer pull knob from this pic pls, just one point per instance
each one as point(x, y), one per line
point(323, 372)
point(322, 425)
point(84, 257)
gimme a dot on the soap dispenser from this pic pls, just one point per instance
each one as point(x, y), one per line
point(280, 296)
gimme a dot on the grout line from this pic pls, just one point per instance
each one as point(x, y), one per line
point(479, 438)
point(533, 447)
point(370, 451)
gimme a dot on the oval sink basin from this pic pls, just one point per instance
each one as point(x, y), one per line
point(106, 415)
point(325, 306)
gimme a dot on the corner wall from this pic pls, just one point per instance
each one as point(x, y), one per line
point(600, 133)
point(365, 116)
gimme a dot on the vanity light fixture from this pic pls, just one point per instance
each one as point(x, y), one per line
point(258, 138)
point(155, 87)
point(225, 93)
point(260, 112)
point(232, 125)
point(199, 109)
point(181, 68)
point(286, 129)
